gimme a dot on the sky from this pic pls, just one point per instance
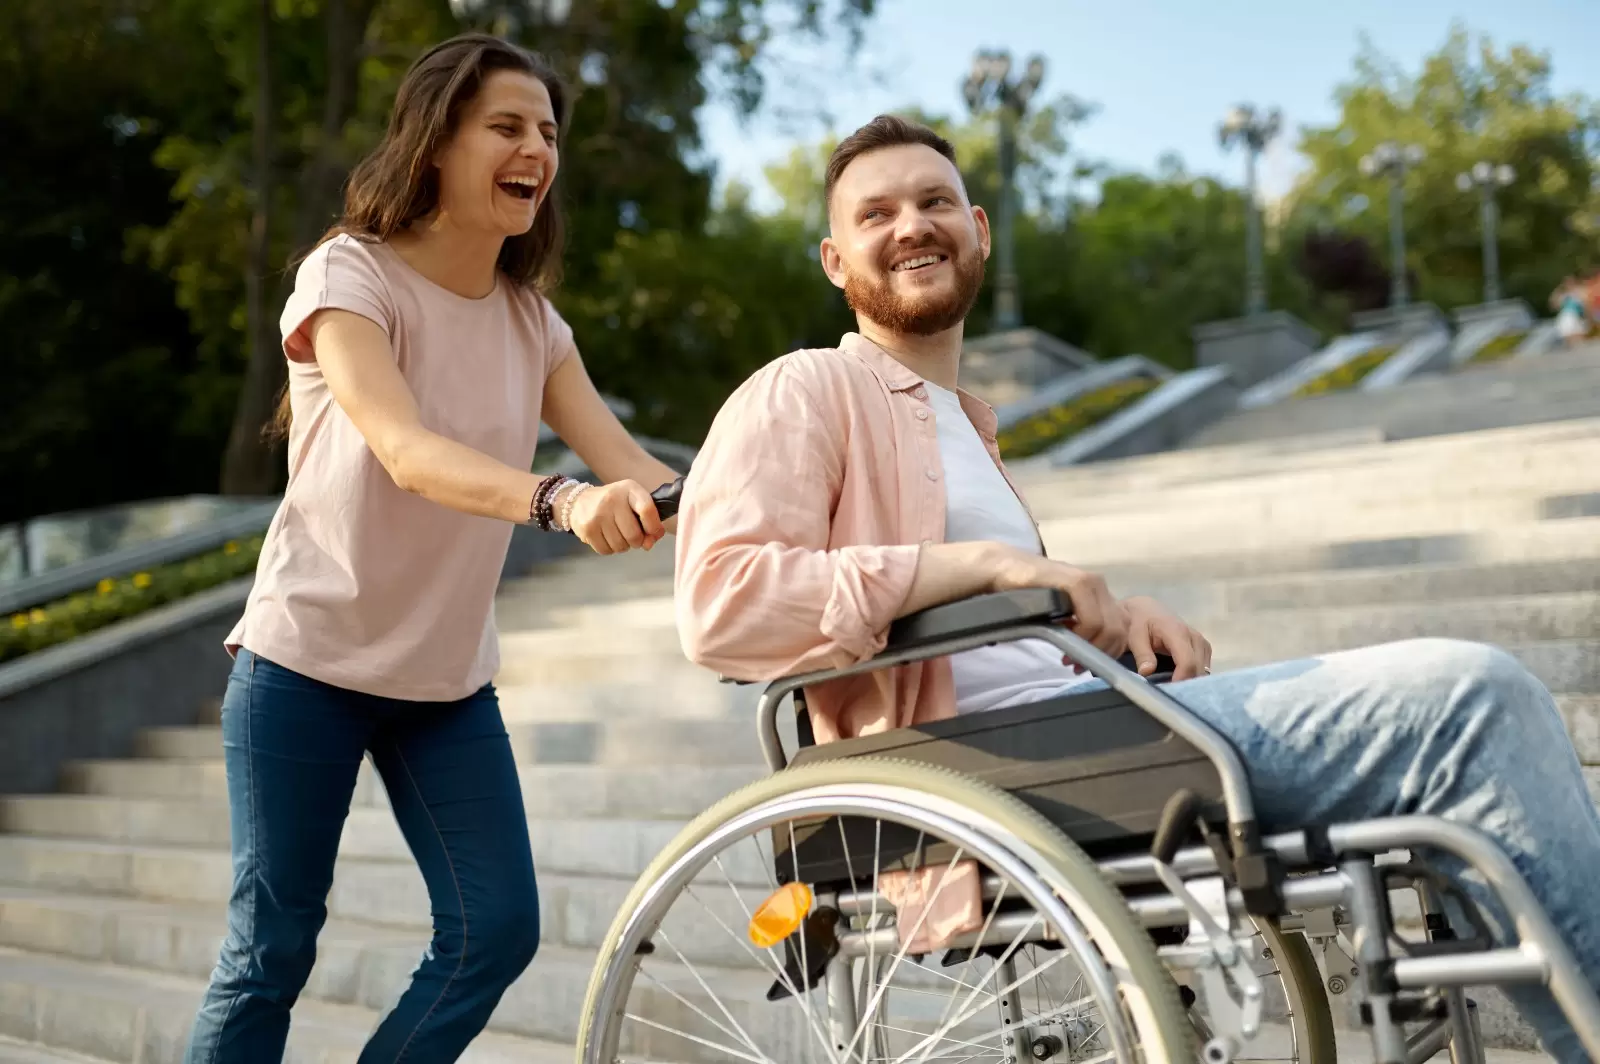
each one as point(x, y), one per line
point(1162, 72)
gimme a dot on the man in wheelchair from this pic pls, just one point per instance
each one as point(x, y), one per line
point(842, 489)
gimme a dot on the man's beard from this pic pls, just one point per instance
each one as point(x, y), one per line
point(919, 315)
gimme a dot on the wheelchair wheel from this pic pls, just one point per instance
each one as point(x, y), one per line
point(1060, 969)
point(1289, 961)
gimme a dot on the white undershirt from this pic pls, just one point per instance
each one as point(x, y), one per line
point(980, 505)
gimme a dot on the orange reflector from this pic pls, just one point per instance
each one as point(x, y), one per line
point(778, 917)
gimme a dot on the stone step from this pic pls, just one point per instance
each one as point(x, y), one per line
point(1258, 634)
point(1306, 453)
point(366, 966)
point(369, 967)
point(1558, 385)
point(1574, 401)
point(575, 911)
point(1552, 469)
point(1435, 584)
point(638, 741)
point(569, 846)
point(572, 790)
point(142, 1017)
point(14, 1052)
point(357, 964)
point(1218, 529)
point(1191, 591)
point(1295, 632)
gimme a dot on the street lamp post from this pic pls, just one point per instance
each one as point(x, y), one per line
point(989, 84)
point(1487, 177)
point(1244, 126)
point(1394, 160)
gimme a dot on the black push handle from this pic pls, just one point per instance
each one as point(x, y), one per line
point(667, 497)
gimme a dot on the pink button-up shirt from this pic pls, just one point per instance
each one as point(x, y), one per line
point(800, 529)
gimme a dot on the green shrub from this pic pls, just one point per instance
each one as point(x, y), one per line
point(118, 599)
point(1049, 427)
point(1347, 375)
point(1500, 347)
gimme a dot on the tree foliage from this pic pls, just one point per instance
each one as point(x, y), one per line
point(127, 200)
point(1470, 102)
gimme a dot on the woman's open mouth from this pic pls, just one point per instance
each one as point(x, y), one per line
point(521, 186)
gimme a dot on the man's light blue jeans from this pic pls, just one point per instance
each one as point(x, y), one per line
point(1430, 726)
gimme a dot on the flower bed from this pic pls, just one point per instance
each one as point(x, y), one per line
point(1502, 346)
point(114, 600)
point(1348, 375)
point(1049, 427)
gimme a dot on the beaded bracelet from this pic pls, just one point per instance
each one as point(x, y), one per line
point(563, 521)
point(539, 511)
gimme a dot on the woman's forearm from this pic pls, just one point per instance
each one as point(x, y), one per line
point(452, 474)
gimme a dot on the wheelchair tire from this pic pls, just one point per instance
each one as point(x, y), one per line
point(1148, 995)
point(1302, 984)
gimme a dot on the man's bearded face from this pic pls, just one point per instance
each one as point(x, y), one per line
point(923, 289)
point(910, 249)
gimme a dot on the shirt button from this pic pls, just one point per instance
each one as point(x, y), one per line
point(922, 415)
point(921, 392)
point(927, 543)
point(933, 475)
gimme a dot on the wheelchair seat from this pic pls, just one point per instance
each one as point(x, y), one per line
point(1093, 764)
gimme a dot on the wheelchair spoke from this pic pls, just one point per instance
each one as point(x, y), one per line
point(736, 1054)
point(927, 1043)
point(983, 936)
point(762, 959)
point(969, 1010)
point(905, 944)
point(840, 984)
point(805, 963)
point(737, 1032)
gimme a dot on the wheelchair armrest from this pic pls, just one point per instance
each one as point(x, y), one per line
point(981, 613)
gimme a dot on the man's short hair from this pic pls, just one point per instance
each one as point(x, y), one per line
point(885, 131)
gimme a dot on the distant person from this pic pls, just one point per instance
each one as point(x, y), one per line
point(423, 355)
point(1571, 302)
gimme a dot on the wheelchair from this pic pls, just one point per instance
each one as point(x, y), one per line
point(1125, 905)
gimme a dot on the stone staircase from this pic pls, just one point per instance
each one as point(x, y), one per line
point(111, 891)
point(1549, 387)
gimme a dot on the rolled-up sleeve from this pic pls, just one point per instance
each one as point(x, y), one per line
point(759, 592)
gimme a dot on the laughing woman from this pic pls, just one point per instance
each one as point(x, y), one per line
point(423, 356)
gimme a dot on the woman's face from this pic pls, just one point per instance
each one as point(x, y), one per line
point(499, 165)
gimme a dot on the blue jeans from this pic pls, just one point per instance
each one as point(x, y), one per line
point(1429, 726)
point(293, 747)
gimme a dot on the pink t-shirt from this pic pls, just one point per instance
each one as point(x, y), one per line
point(363, 585)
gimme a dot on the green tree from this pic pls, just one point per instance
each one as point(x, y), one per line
point(104, 396)
point(1470, 102)
point(636, 67)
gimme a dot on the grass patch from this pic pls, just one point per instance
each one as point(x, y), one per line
point(1049, 427)
point(118, 599)
point(1348, 375)
point(1502, 346)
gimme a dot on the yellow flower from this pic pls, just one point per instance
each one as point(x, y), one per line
point(230, 547)
point(106, 586)
point(19, 620)
point(36, 616)
point(141, 580)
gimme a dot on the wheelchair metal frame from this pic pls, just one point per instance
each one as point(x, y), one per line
point(1339, 862)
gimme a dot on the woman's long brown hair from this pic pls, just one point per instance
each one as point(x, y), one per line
point(397, 183)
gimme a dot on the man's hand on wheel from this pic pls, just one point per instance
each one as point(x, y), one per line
point(1153, 629)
